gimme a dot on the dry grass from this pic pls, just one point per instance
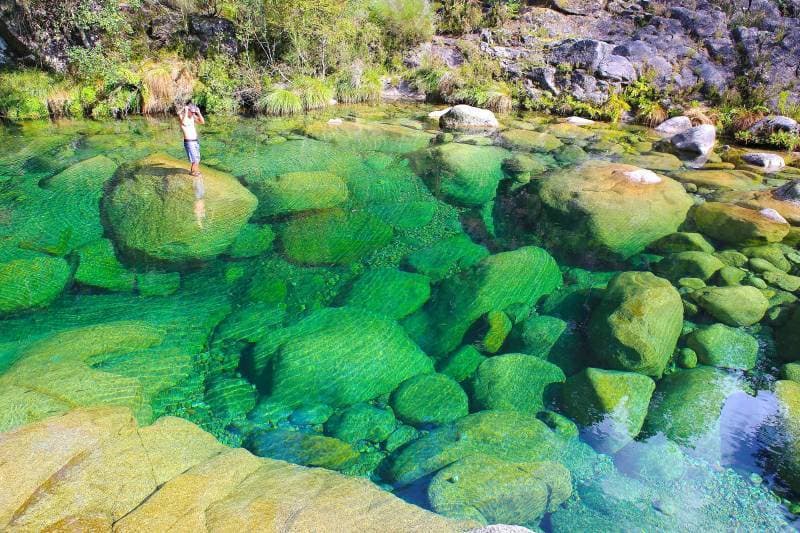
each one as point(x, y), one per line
point(58, 102)
point(165, 85)
point(652, 115)
point(746, 120)
point(701, 115)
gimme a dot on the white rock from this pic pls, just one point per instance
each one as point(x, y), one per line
point(699, 140)
point(501, 528)
point(464, 117)
point(643, 176)
point(335, 121)
point(579, 121)
point(769, 162)
point(674, 126)
point(436, 115)
point(773, 215)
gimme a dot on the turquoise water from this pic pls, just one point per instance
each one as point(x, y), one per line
point(383, 299)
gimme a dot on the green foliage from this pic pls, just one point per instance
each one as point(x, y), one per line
point(279, 102)
point(784, 140)
point(314, 93)
point(458, 17)
point(216, 90)
point(358, 84)
point(788, 108)
point(405, 22)
point(23, 94)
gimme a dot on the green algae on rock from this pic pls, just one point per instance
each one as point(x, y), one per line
point(496, 283)
point(682, 242)
point(151, 210)
point(429, 399)
point(99, 267)
point(735, 306)
point(338, 357)
point(531, 141)
point(516, 382)
point(700, 265)
point(31, 283)
point(462, 363)
point(361, 422)
point(252, 241)
point(301, 448)
point(492, 491)
point(612, 404)
point(447, 257)
point(333, 237)
point(724, 347)
point(637, 323)
point(609, 209)
point(390, 292)
point(299, 191)
point(739, 225)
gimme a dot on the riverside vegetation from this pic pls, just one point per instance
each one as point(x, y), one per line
point(508, 318)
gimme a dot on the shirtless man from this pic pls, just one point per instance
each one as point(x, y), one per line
point(188, 116)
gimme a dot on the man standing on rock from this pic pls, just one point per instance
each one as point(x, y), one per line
point(188, 115)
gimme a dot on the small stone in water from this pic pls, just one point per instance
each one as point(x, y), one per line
point(644, 176)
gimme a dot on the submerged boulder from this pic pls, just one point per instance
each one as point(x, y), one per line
point(519, 277)
point(517, 382)
point(334, 237)
point(735, 306)
point(337, 357)
point(299, 191)
point(361, 422)
point(788, 338)
point(492, 491)
point(446, 257)
point(301, 448)
point(725, 347)
point(637, 323)
point(611, 209)
point(531, 141)
point(152, 210)
point(429, 399)
point(786, 455)
point(99, 267)
point(389, 292)
point(31, 283)
point(612, 404)
point(739, 225)
point(700, 265)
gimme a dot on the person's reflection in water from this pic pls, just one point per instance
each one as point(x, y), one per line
point(199, 200)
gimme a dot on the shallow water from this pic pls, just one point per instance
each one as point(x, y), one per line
point(239, 337)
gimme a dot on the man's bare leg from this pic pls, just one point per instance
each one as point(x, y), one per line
point(195, 171)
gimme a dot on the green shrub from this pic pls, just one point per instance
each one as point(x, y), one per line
point(358, 84)
point(216, 90)
point(458, 17)
point(280, 101)
point(314, 93)
point(23, 94)
point(405, 22)
point(784, 140)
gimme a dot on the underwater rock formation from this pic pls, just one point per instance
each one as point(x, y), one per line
point(151, 210)
point(30, 283)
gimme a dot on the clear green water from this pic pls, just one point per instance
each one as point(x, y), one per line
point(292, 335)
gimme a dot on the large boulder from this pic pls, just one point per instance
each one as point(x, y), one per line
point(337, 357)
point(492, 491)
point(735, 306)
point(506, 435)
point(31, 283)
point(612, 404)
point(739, 225)
point(151, 210)
point(516, 382)
point(637, 323)
point(429, 399)
point(299, 191)
point(464, 117)
point(674, 126)
point(530, 141)
point(498, 282)
point(389, 292)
point(333, 237)
point(725, 347)
point(687, 404)
point(463, 174)
point(697, 141)
point(613, 210)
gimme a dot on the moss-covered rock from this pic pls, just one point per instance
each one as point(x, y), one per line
point(252, 241)
point(152, 210)
point(498, 326)
point(506, 435)
point(531, 141)
point(336, 356)
point(725, 180)
point(157, 283)
point(299, 191)
point(400, 437)
point(724, 347)
point(462, 363)
point(739, 225)
point(791, 371)
point(303, 449)
point(608, 209)
point(786, 454)
point(361, 422)
point(612, 404)
point(333, 237)
point(730, 276)
point(774, 253)
point(31, 283)
point(637, 323)
point(687, 404)
point(788, 338)
point(389, 292)
point(492, 491)
point(99, 267)
point(519, 277)
point(734, 306)
point(517, 382)
point(429, 399)
point(447, 257)
point(230, 397)
point(682, 242)
point(463, 174)
point(700, 265)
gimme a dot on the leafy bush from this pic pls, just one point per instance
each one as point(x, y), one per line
point(314, 93)
point(23, 94)
point(359, 84)
point(405, 22)
point(216, 90)
point(460, 16)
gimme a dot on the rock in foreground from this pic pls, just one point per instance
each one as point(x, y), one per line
point(464, 117)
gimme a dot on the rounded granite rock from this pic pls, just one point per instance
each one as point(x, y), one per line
point(31, 283)
point(429, 399)
point(517, 382)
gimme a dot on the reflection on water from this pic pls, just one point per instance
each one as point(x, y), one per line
point(426, 310)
